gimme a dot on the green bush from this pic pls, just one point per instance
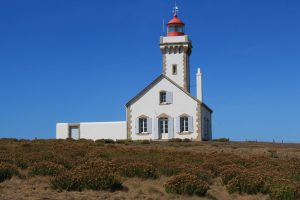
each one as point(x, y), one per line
point(169, 170)
point(175, 140)
point(45, 168)
point(96, 175)
point(202, 174)
point(109, 141)
point(221, 140)
point(285, 192)
point(140, 170)
point(229, 173)
point(249, 183)
point(186, 184)
point(145, 142)
point(122, 141)
point(22, 162)
point(7, 171)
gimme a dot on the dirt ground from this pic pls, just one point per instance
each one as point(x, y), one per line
point(39, 189)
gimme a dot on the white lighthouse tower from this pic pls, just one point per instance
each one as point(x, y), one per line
point(176, 48)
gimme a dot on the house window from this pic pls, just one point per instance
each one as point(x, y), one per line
point(184, 124)
point(163, 125)
point(143, 125)
point(174, 69)
point(163, 97)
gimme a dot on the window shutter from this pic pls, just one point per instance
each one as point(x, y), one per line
point(137, 125)
point(155, 128)
point(149, 125)
point(191, 127)
point(178, 125)
point(171, 127)
point(169, 97)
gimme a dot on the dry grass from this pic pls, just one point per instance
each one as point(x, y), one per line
point(139, 170)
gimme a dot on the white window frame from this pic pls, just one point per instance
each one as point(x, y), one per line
point(184, 124)
point(143, 126)
point(163, 97)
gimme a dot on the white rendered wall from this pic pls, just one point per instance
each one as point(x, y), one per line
point(103, 130)
point(175, 39)
point(94, 130)
point(179, 58)
point(62, 131)
point(149, 106)
point(176, 59)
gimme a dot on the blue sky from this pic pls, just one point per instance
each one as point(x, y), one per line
point(73, 61)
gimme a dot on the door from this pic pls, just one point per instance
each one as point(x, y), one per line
point(74, 132)
point(163, 128)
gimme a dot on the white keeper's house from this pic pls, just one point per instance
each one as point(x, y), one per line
point(165, 108)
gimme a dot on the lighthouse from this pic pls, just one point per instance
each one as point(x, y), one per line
point(165, 109)
point(176, 48)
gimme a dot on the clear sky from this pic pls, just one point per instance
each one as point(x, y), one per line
point(78, 61)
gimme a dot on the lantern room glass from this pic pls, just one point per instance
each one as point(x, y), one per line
point(176, 28)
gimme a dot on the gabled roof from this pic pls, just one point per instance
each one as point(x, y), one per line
point(157, 80)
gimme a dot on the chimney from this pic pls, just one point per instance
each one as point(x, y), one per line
point(199, 85)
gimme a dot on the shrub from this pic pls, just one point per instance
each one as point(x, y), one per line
point(109, 141)
point(169, 170)
point(140, 170)
point(186, 140)
point(122, 141)
point(93, 175)
point(285, 192)
point(175, 140)
point(7, 171)
point(221, 140)
point(186, 184)
point(202, 174)
point(99, 141)
point(229, 173)
point(212, 167)
point(145, 142)
point(22, 162)
point(247, 183)
point(45, 168)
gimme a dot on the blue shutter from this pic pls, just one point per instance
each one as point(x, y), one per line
point(149, 125)
point(178, 125)
point(169, 97)
point(171, 127)
point(155, 128)
point(191, 127)
point(137, 125)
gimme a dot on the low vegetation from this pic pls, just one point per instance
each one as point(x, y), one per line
point(189, 168)
point(186, 184)
point(7, 171)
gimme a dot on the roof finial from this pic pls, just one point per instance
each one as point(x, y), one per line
point(175, 9)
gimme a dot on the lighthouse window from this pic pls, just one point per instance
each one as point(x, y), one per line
point(179, 29)
point(171, 28)
point(174, 69)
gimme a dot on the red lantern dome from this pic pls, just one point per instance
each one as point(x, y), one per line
point(175, 27)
